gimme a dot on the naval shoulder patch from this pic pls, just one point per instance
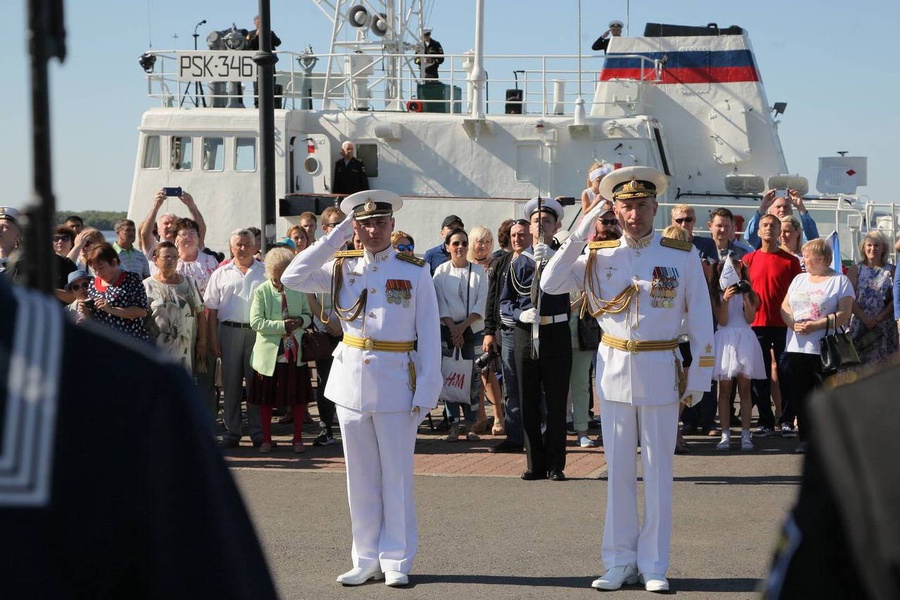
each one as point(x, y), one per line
point(413, 260)
point(677, 244)
point(349, 253)
point(603, 244)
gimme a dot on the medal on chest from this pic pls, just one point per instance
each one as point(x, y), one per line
point(663, 287)
point(398, 291)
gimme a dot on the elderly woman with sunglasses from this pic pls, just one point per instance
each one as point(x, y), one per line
point(462, 289)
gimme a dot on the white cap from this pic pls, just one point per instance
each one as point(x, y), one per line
point(8, 213)
point(616, 22)
point(426, 30)
point(547, 205)
point(371, 203)
point(633, 182)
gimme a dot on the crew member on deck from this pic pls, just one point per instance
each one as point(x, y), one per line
point(349, 172)
point(385, 378)
point(639, 287)
point(602, 42)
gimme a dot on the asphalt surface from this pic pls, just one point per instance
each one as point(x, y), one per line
point(484, 535)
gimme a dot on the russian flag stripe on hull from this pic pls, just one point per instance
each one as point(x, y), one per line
point(691, 66)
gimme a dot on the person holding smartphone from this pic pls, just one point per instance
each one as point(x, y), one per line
point(781, 203)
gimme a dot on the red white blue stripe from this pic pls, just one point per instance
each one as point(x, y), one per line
point(684, 67)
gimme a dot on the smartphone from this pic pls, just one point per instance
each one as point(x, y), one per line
point(172, 191)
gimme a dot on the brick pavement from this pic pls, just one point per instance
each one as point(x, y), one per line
point(434, 456)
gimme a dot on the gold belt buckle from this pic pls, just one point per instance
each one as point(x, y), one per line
point(631, 346)
point(369, 344)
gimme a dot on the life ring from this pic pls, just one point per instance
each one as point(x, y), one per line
point(415, 106)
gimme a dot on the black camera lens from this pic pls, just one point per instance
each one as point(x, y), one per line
point(743, 287)
point(483, 361)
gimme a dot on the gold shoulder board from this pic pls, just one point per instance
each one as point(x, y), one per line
point(677, 244)
point(349, 253)
point(413, 260)
point(603, 244)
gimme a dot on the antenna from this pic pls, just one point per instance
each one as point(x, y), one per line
point(149, 30)
point(843, 152)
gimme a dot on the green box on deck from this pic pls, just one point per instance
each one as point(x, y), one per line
point(435, 97)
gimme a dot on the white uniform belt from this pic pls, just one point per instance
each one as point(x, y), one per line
point(550, 319)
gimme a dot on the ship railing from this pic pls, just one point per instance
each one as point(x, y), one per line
point(529, 84)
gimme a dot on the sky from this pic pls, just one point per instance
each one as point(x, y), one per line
point(828, 60)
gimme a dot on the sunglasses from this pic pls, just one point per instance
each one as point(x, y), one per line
point(324, 225)
point(684, 220)
point(609, 222)
point(463, 244)
point(405, 247)
point(61, 238)
point(78, 286)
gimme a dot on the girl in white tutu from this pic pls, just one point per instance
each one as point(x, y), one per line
point(738, 353)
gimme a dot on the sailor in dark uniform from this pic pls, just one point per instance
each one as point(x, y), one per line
point(111, 485)
point(841, 539)
point(543, 345)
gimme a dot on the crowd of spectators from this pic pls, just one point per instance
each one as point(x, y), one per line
point(230, 322)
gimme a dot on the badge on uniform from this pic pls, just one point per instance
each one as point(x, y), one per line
point(398, 291)
point(663, 286)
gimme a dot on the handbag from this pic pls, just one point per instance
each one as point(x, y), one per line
point(457, 374)
point(588, 333)
point(836, 349)
point(315, 345)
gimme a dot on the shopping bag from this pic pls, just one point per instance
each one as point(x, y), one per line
point(457, 373)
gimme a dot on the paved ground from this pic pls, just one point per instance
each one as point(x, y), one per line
point(484, 533)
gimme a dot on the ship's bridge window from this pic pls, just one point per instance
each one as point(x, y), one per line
point(181, 150)
point(368, 154)
point(213, 154)
point(151, 152)
point(245, 154)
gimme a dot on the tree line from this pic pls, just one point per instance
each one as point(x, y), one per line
point(104, 220)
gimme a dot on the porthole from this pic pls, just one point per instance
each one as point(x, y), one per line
point(312, 165)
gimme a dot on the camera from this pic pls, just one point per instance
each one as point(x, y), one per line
point(172, 191)
point(89, 304)
point(483, 361)
point(742, 287)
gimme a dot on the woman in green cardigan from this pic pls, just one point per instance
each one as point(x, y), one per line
point(279, 317)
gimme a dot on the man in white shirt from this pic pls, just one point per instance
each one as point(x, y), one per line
point(227, 299)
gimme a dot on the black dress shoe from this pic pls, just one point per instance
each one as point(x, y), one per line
point(557, 475)
point(534, 476)
point(506, 447)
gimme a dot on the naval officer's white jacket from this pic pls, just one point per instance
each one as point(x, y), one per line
point(371, 380)
point(643, 378)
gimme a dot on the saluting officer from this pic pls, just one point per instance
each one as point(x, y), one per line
point(639, 288)
point(385, 378)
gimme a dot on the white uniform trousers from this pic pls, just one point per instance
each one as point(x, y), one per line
point(378, 450)
point(624, 543)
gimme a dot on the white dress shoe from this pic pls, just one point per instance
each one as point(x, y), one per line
point(655, 582)
point(395, 578)
point(616, 577)
point(360, 575)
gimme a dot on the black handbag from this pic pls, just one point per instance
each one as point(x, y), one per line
point(836, 349)
point(315, 345)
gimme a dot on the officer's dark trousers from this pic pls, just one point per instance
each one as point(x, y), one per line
point(548, 373)
point(770, 338)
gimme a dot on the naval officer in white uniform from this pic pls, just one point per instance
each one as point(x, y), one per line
point(385, 378)
point(640, 288)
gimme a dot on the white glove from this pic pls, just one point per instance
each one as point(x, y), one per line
point(541, 251)
point(692, 397)
point(528, 315)
point(586, 226)
point(342, 233)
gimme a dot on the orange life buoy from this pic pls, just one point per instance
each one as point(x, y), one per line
point(415, 106)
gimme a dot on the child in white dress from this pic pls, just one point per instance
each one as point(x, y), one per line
point(738, 353)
